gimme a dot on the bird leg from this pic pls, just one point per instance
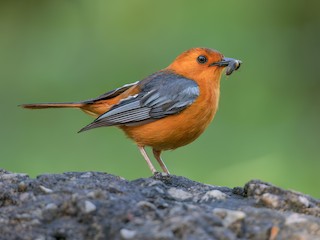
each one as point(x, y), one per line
point(145, 156)
point(157, 154)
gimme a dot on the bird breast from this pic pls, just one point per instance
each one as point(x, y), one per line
point(180, 129)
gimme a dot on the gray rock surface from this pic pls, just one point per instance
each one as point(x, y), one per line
point(95, 205)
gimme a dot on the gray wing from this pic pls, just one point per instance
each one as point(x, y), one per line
point(162, 94)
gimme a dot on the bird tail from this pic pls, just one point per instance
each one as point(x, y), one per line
point(53, 105)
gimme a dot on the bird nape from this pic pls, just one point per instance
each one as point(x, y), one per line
point(166, 110)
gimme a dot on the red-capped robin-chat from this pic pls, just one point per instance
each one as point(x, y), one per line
point(166, 110)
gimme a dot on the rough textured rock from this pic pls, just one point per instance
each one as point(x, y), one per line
point(95, 205)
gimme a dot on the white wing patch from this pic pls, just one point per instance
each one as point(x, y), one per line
point(192, 91)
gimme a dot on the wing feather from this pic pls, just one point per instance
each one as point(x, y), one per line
point(162, 94)
point(111, 94)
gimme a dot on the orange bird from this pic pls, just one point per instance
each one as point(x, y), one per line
point(166, 110)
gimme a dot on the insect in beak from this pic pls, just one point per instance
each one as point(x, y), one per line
point(230, 63)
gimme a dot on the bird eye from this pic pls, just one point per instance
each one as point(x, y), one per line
point(202, 59)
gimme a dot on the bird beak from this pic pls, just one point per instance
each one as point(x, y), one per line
point(231, 64)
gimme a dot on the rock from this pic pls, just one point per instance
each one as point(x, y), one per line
point(274, 197)
point(51, 206)
point(93, 205)
point(22, 187)
point(89, 206)
point(213, 195)
point(229, 216)
point(179, 194)
point(45, 189)
point(294, 218)
point(127, 234)
point(9, 176)
point(270, 200)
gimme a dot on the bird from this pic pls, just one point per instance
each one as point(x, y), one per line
point(166, 110)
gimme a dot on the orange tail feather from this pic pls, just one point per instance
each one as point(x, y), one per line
point(52, 105)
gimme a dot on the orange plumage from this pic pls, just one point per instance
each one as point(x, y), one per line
point(168, 109)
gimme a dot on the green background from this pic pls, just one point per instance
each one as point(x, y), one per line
point(267, 126)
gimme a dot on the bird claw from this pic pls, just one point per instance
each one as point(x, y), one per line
point(161, 176)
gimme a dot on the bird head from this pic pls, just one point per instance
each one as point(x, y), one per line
point(197, 63)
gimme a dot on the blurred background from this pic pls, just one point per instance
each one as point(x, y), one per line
point(267, 126)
